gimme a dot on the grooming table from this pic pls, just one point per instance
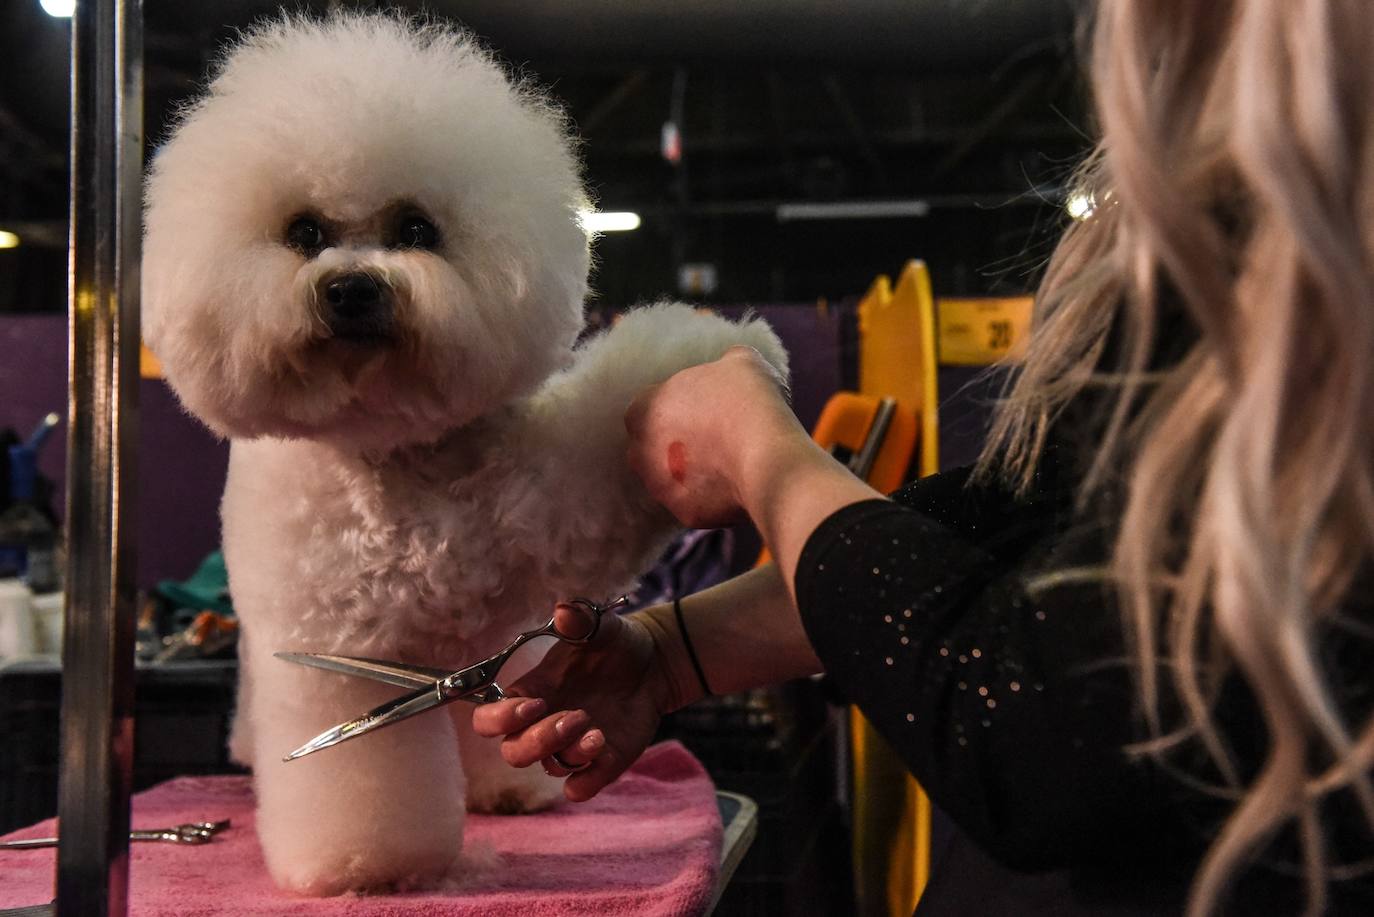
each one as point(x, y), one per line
point(650, 844)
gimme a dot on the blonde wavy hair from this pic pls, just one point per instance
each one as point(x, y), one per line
point(1234, 180)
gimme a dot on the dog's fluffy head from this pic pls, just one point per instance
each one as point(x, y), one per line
point(371, 150)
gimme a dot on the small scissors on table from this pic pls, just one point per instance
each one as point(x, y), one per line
point(201, 832)
point(436, 687)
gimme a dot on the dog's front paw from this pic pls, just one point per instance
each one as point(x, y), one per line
point(370, 872)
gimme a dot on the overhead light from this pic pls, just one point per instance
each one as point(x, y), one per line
point(62, 9)
point(8, 239)
point(853, 210)
point(609, 221)
point(1081, 204)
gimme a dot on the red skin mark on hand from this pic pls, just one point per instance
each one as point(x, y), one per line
point(677, 461)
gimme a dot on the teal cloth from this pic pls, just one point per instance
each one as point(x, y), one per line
point(207, 588)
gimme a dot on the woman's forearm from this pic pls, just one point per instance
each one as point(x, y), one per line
point(705, 464)
point(789, 486)
point(719, 438)
point(746, 633)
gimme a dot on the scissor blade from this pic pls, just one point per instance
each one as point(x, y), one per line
point(400, 674)
point(393, 711)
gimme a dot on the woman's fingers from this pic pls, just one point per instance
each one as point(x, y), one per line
point(506, 716)
point(545, 738)
point(602, 681)
point(575, 756)
point(527, 703)
point(573, 621)
point(600, 773)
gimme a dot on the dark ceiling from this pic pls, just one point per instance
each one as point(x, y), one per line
point(973, 106)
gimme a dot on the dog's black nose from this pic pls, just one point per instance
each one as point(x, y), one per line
point(353, 294)
point(358, 306)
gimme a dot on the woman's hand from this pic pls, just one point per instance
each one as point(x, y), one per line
point(609, 695)
point(597, 703)
point(693, 437)
point(718, 442)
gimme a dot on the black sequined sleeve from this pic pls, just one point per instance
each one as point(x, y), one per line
point(971, 630)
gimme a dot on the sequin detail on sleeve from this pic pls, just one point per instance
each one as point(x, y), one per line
point(922, 620)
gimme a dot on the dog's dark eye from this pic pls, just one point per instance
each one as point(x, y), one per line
point(416, 232)
point(305, 235)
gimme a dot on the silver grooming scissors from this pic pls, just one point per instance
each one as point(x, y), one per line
point(201, 832)
point(435, 687)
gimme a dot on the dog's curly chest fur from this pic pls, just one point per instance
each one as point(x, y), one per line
point(419, 548)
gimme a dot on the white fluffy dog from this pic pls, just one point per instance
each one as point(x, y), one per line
point(364, 264)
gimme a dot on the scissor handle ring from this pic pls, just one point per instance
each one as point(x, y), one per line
point(597, 609)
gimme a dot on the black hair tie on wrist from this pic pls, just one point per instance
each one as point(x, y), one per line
point(687, 642)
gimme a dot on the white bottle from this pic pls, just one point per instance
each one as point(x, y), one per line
point(18, 636)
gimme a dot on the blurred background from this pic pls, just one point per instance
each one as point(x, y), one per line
point(774, 150)
point(792, 156)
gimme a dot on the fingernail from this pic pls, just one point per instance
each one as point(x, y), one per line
point(592, 740)
point(531, 709)
point(572, 721)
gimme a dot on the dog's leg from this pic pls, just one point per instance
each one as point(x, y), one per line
point(241, 729)
point(493, 785)
point(381, 812)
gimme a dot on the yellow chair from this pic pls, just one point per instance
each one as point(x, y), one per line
point(903, 340)
point(897, 351)
point(897, 359)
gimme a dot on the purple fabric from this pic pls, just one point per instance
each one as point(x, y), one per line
point(33, 381)
point(181, 466)
point(813, 341)
point(697, 559)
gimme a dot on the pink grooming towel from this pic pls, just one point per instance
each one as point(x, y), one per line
point(648, 846)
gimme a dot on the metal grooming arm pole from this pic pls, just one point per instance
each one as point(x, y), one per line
point(102, 412)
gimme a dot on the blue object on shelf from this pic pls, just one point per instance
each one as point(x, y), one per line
point(28, 538)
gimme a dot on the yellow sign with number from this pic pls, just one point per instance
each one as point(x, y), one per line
point(976, 332)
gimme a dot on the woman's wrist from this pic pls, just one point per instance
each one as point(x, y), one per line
point(746, 634)
point(767, 451)
point(789, 488)
point(674, 681)
point(775, 464)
